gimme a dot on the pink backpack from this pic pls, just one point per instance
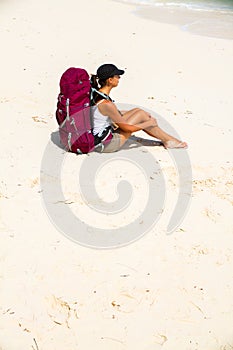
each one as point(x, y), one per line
point(73, 111)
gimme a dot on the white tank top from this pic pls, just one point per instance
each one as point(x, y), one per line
point(100, 121)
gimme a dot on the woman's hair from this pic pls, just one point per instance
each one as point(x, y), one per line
point(96, 82)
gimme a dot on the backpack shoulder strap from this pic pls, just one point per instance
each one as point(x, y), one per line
point(106, 97)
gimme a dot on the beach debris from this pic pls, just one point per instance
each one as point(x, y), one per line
point(126, 302)
point(199, 288)
point(57, 323)
point(200, 250)
point(114, 304)
point(113, 339)
point(129, 267)
point(198, 307)
point(196, 343)
point(34, 182)
point(160, 339)
point(5, 312)
point(217, 186)
point(36, 348)
point(39, 119)
point(151, 98)
point(60, 311)
point(25, 329)
point(4, 100)
point(210, 214)
point(127, 295)
point(64, 202)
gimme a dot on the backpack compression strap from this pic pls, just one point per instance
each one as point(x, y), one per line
point(67, 113)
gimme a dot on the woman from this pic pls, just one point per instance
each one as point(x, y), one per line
point(110, 123)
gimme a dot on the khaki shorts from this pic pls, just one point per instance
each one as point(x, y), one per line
point(113, 146)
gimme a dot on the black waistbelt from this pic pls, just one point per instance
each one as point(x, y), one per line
point(103, 136)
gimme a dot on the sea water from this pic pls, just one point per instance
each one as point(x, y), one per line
point(213, 18)
point(198, 5)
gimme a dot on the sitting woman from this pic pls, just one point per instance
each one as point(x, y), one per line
point(111, 124)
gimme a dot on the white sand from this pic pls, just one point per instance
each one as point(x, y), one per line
point(170, 292)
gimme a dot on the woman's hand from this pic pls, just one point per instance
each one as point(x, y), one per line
point(110, 110)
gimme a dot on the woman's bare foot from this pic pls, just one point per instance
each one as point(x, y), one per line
point(175, 144)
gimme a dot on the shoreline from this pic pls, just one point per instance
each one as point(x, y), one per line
point(209, 23)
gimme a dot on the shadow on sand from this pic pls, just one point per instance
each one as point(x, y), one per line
point(132, 142)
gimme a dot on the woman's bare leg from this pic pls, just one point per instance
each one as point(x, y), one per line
point(124, 136)
point(167, 140)
point(148, 124)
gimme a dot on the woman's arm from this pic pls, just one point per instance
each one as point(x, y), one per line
point(122, 112)
point(110, 110)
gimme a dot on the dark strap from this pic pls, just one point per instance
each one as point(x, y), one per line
point(104, 135)
point(106, 97)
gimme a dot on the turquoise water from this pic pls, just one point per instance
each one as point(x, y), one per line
point(204, 5)
point(213, 18)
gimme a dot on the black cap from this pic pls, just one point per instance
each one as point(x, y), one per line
point(108, 70)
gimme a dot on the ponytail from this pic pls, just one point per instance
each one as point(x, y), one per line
point(97, 83)
point(94, 82)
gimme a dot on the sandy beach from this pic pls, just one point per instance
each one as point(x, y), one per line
point(170, 292)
